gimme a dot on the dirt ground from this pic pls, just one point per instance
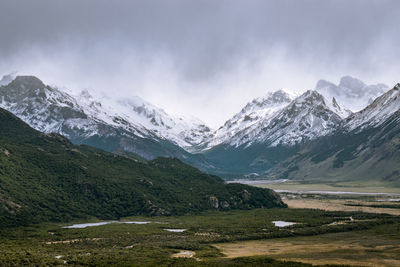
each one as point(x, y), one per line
point(344, 248)
point(338, 205)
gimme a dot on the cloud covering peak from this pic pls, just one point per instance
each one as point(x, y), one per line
point(195, 56)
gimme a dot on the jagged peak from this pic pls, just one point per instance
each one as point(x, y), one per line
point(346, 82)
point(351, 82)
point(276, 97)
point(28, 81)
point(335, 103)
point(351, 93)
point(395, 91)
point(309, 95)
point(8, 78)
point(282, 92)
point(322, 84)
point(376, 112)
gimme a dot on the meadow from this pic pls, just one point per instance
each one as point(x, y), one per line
point(204, 242)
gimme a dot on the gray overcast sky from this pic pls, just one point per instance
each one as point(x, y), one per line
point(201, 58)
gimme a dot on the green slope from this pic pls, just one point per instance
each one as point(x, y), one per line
point(233, 162)
point(44, 177)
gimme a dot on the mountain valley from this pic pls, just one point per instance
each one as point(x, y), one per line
point(279, 135)
point(44, 177)
point(68, 160)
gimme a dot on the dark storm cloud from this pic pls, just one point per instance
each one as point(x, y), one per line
point(200, 43)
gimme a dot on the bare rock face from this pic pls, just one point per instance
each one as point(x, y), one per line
point(214, 202)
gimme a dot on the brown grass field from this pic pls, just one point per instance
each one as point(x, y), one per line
point(357, 248)
point(375, 247)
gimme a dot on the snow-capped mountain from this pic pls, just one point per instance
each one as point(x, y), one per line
point(272, 129)
point(376, 113)
point(48, 109)
point(257, 112)
point(282, 118)
point(364, 147)
point(6, 79)
point(275, 137)
point(268, 132)
point(305, 118)
point(279, 119)
point(185, 132)
point(132, 125)
point(351, 94)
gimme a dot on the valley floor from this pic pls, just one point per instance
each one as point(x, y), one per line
point(363, 197)
point(374, 247)
point(336, 188)
point(233, 238)
point(344, 229)
point(344, 204)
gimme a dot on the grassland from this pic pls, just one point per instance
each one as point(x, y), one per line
point(346, 229)
point(378, 246)
point(150, 244)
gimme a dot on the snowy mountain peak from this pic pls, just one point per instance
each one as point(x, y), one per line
point(309, 101)
point(144, 109)
point(255, 113)
point(323, 84)
point(309, 97)
point(278, 119)
point(352, 83)
point(8, 78)
point(351, 94)
point(335, 104)
point(305, 118)
point(377, 112)
point(185, 132)
point(278, 96)
point(272, 99)
point(28, 82)
point(50, 109)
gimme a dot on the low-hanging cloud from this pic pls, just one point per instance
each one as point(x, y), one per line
point(204, 58)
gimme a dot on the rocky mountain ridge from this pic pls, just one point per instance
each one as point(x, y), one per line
point(317, 114)
point(266, 133)
point(132, 125)
point(365, 147)
point(264, 143)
